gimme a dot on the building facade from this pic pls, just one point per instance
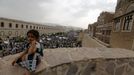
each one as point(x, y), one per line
point(101, 30)
point(13, 28)
point(123, 28)
point(104, 27)
point(92, 29)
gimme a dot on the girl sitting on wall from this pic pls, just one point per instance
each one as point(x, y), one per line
point(30, 58)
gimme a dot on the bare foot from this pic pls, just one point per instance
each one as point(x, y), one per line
point(13, 63)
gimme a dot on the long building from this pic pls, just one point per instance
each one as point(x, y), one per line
point(13, 28)
point(123, 28)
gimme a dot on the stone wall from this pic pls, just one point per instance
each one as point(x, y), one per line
point(123, 66)
point(78, 61)
point(93, 67)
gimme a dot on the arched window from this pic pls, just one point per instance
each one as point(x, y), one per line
point(10, 25)
point(30, 27)
point(26, 26)
point(16, 25)
point(22, 26)
point(128, 22)
point(34, 27)
point(2, 24)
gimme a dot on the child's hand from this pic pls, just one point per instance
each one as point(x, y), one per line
point(14, 62)
point(32, 47)
point(33, 43)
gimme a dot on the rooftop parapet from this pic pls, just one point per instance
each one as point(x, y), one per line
point(71, 61)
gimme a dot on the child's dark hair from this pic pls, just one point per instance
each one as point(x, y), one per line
point(34, 32)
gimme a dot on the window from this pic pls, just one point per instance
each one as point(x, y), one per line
point(108, 32)
point(22, 26)
point(26, 26)
point(103, 32)
point(0, 33)
point(127, 26)
point(30, 27)
point(117, 25)
point(10, 25)
point(2, 24)
point(16, 25)
point(34, 27)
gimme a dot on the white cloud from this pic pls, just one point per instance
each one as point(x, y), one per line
point(65, 12)
point(111, 1)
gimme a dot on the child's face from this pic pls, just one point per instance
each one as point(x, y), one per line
point(31, 37)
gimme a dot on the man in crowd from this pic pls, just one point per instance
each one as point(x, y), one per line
point(79, 39)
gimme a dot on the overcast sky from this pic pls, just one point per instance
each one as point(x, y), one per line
point(78, 13)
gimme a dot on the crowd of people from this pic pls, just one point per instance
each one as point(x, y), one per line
point(51, 41)
point(11, 46)
point(59, 40)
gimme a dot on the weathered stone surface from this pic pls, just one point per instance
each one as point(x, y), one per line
point(131, 64)
point(92, 53)
point(128, 68)
point(122, 61)
point(48, 72)
point(110, 68)
point(90, 69)
point(11, 70)
point(78, 54)
point(2, 63)
point(120, 70)
point(72, 70)
point(131, 73)
point(59, 57)
point(61, 70)
point(115, 53)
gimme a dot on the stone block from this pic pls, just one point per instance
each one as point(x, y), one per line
point(72, 69)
